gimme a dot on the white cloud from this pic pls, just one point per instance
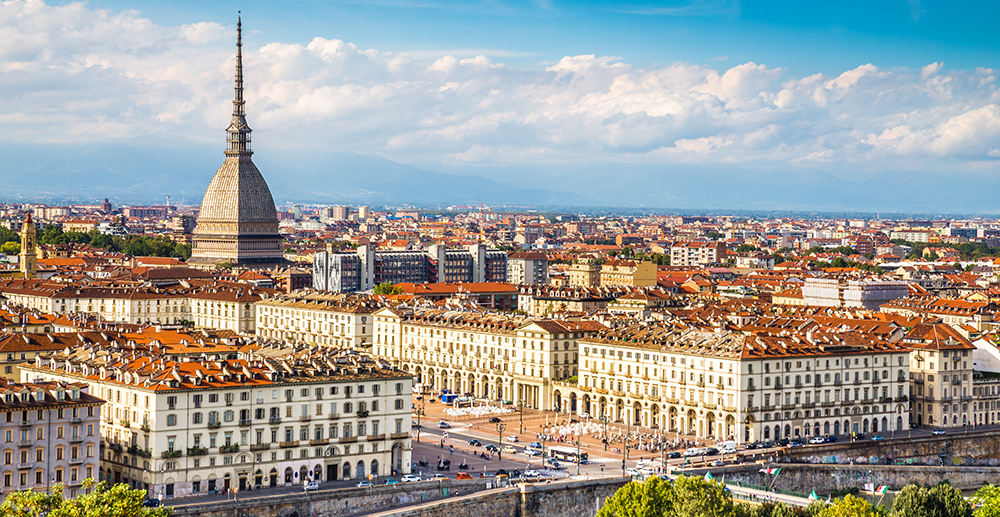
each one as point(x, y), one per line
point(71, 73)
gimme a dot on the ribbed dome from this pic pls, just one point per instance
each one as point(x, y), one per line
point(237, 194)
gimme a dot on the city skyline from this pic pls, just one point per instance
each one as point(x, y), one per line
point(899, 116)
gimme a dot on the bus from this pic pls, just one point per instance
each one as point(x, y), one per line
point(569, 454)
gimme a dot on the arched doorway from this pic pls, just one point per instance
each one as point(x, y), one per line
point(572, 402)
point(274, 477)
point(620, 411)
point(672, 419)
point(557, 401)
point(397, 458)
point(710, 424)
point(655, 412)
point(374, 468)
point(303, 474)
point(692, 421)
point(361, 470)
point(346, 470)
point(730, 427)
point(836, 428)
point(637, 414)
point(317, 473)
point(586, 405)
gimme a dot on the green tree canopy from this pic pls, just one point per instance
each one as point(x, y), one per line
point(100, 501)
point(387, 288)
point(10, 248)
point(687, 497)
point(649, 499)
point(850, 506)
point(987, 501)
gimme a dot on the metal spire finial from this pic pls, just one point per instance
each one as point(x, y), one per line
point(238, 140)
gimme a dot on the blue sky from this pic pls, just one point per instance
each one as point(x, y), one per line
point(528, 92)
point(805, 37)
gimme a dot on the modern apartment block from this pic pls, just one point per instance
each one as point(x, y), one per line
point(525, 267)
point(866, 293)
point(51, 434)
point(367, 268)
point(697, 253)
point(251, 416)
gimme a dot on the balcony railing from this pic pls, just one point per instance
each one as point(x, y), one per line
point(172, 454)
point(197, 451)
point(260, 447)
point(349, 439)
point(286, 445)
point(245, 422)
point(275, 420)
point(214, 425)
point(319, 441)
point(139, 451)
point(235, 447)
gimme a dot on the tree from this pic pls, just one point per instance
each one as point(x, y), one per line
point(387, 288)
point(945, 500)
point(10, 248)
point(649, 499)
point(849, 506)
point(695, 497)
point(987, 500)
point(746, 248)
point(100, 500)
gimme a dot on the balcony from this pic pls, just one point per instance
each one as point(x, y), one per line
point(808, 405)
point(76, 420)
point(214, 425)
point(876, 379)
point(286, 445)
point(245, 422)
point(708, 405)
point(197, 451)
point(827, 403)
point(349, 439)
point(362, 414)
point(231, 448)
point(701, 384)
point(125, 423)
point(135, 450)
point(75, 461)
point(275, 420)
point(25, 444)
point(375, 437)
point(25, 423)
point(798, 385)
point(260, 447)
point(117, 447)
point(903, 398)
point(171, 454)
point(956, 381)
point(24, 466)
point(144, 427)
point(319, 441)
point(396, 436)
point(305, 418)
point(751, 388)
point(857, 382)
point(838, 382)
point(75, 439)
point(334, 416)
point(918, 381)
point(787, 407)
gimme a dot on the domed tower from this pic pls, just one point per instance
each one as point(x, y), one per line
point(237, 222)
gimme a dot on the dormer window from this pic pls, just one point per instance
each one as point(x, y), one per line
point(76, 394)
point(40, 396)
point(59, 395)
point(24, 396)
point(8, 398)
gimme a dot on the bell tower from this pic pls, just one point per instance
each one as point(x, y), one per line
point(29, 262)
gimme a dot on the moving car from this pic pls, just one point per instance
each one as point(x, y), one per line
point(794, 444)
point(364, 484)
point(532, 452)
point(444, 425)
point(513, 438)
point(509, 449)
point(816, 440)
point(439, 476)
point(937, 432)
point(718, 463)
point(693, 451)
point(151, 503)
point(475, 443)
point(309, 487)
point(535, 445)
point(390, 481)
point(492, 448)
point(673, 455)
point(463, 475)
point(876, 438)
point(502, 472)
point(831, 439)
point(408, 478)
point(494, 420)
point(531, 473)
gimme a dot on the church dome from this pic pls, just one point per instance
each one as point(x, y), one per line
point(237, 194)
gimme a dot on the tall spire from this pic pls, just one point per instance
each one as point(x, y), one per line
point(238, 132)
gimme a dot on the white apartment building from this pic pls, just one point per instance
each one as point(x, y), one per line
point(488, 355)
point(221, 305)
point(528, 268)
point(273, 416)
point(697, 253)
point(315, 318)
point(719, 385)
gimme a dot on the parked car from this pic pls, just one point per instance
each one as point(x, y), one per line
point(309, 487)
point(475, 443)
point(718, 463)
point(816, 440)
point(532, 452)
point(751, 446)
point(674, 455)
point(535, 445)
point(151, 503)
point(463, 475)
point(795, 443)
point(693, 451)
point(439, 476)
point(509, 449)
point(502, 472)
point(444, 425)
point(876, 438)
point(410, 478)
point(937, 432)
point(364, 484)
point(513, 438)
point(494, 420)
point(492, 448)
point(390, 481)
point(831, 439)
point(710, 451)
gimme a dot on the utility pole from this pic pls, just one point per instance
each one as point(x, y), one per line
point(500, 427)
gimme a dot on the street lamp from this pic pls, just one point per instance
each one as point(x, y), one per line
point(500, 427)
point(520, 407)
point(604, 420)
point(420, 413)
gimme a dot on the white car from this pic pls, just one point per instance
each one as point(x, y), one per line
point(531, 473)
point(584, 415)
point(693, 451)
point(408, 478)
point(513, 438)
point(816, 440)
point(311, 486)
